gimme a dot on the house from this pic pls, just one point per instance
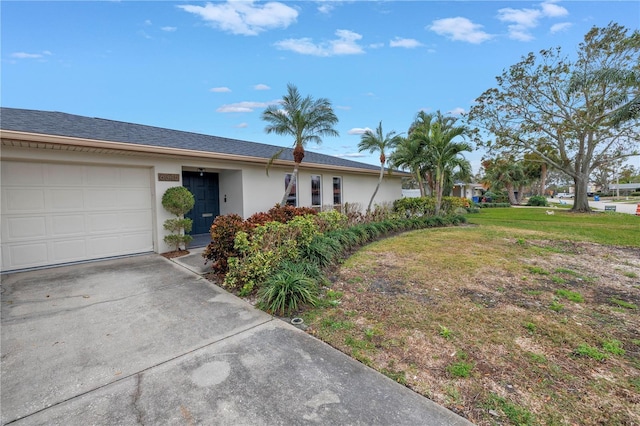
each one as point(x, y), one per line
point(76, 188)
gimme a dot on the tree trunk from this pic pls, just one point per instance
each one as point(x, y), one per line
point(438, 189)
point(520, 195)
point(377, 186)
point(511, 194)
point(543, 179)
point(292, 181)
point(580, 199)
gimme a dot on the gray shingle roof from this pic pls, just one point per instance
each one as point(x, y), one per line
point(62, 124)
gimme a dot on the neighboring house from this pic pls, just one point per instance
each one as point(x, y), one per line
point(76, 188)
point(467, 190)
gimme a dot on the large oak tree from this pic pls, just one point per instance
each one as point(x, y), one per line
point(538, 104)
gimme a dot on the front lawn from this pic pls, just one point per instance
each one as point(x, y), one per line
point(518, 318)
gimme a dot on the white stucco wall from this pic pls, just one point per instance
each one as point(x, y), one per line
point(246, 186)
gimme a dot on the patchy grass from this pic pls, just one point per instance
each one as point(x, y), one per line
point(462, 316)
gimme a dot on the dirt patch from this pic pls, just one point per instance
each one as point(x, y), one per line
point(174, 254)
point(523, 324)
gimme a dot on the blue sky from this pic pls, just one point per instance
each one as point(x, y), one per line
point(213, 67)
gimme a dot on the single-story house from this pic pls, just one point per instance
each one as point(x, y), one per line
point(77, 188)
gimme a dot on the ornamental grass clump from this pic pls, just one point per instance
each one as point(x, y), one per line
point(287, 290)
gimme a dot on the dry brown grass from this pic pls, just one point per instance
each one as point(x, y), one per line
point(417, 303)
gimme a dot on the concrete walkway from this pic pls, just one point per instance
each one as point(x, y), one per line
point(621, 207)
point(145, 340)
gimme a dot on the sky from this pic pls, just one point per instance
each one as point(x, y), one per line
point(213, 67)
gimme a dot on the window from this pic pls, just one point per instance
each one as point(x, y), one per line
point(337, 191)
point(292, 200)
point(316, 191)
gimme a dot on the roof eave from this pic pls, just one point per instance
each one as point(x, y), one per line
point(149, 149)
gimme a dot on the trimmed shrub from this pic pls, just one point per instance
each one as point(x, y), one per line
point(178, 200)
point(537, 200)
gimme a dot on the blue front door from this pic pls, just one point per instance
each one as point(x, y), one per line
point(206, 193)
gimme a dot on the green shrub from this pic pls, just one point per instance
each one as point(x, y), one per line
point(322, 250)
point(223, 234)
point(537, 200)
point(426, 206)
point(331, 221)
point(286, 290)
point(178, 200)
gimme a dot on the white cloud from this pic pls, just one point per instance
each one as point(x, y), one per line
point(25, 55)
point(261, 87)
point(562, 26)
point(524, 20)
point(220, 89)
point(345, 44)
point(325, 8)
point(242, 125)
point(552, 10)
point(246, 106)
point(376, 45)
point(245, 17)
point(148, 22)
point(169, 29)
point(460, 29)
point(359, 131)
point(343, 107)
point(407, 43)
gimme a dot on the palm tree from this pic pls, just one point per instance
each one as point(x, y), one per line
point(442, 156)
point(506, 173)
point(306, 119)
point(408, 155)
point(378, 142)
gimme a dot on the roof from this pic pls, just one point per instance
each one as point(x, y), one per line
point(99, 129)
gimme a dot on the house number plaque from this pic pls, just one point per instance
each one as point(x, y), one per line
point(168, 177)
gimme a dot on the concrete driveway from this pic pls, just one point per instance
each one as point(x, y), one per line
point(144, 340)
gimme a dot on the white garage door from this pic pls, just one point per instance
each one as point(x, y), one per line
point(58, 213)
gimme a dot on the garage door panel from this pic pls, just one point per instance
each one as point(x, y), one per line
point(103, 246)
point(134, 199)
point(23, 200)
point(25, 174)
point(26, 227)
point(57, 213)
point(65, 175)
point(134, 241)
point(102, 176)
point(68, 250)
point(67, 225)
point(25, 255)
point(135, 221)
point(105, 199)
point(134, 177)
point(66, 199)
point(103, 222)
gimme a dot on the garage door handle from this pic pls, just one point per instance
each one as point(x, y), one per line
point(207, 214)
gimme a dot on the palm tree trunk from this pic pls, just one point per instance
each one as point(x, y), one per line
point(512, 194)
point(292, 181)
point(439, 183)
point(377, 187)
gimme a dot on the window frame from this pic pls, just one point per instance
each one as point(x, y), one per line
point(318, 179)
point(294, 190)
point(333, 188)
